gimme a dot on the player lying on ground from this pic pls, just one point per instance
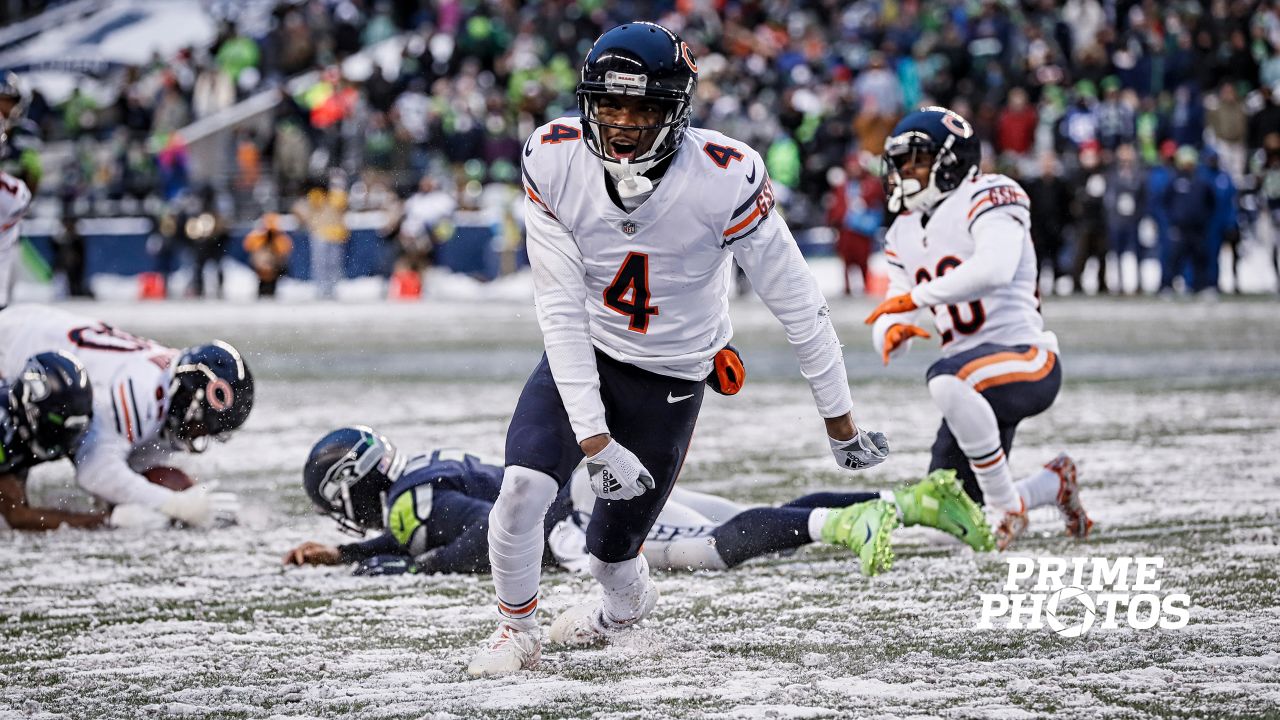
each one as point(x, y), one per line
point(961, 247)
point(44, 411)
point(432, 515)
point(149, 402)
point(632, 219)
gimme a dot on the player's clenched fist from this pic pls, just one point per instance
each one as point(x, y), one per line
point(862, 451)
point(617, 474)
point(898, 335)
point(896, 304)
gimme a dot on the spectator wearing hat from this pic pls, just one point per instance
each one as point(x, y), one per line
point(1188, 202)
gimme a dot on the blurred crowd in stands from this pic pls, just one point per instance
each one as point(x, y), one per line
point(1139, 128)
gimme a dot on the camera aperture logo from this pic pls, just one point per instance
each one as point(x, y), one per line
point(1071, 595)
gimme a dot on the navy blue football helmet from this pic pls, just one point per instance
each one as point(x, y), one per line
point(348, 475)
point(210, 395)
point(638, 59)
point(50, 406)
point(936, 133)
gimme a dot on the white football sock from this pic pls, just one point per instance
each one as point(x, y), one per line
point(1040, 488)
point(694, 553)
point(624, 584)
point(818, 518)
point(974, 426)
point(515, 541)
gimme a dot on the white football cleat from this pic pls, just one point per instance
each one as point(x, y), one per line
point(587, 624)
point(508, 650)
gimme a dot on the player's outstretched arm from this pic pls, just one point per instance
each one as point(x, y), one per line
point(21, 516)
point(781, 277)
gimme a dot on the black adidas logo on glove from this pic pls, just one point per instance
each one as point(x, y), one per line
point(609, 482)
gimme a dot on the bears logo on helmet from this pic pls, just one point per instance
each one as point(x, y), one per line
point(210, 395)
point(931, 134)
point(638, 59)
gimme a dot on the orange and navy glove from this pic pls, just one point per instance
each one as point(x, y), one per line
point(897, 335)
point(896, 304)
point(729, 373)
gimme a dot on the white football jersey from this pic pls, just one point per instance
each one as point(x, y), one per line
point(130, 377)
point(15, 198)
point(996, 299)
point(650, 287)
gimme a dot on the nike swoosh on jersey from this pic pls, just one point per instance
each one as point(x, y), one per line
point(673, 399)
point(751, 176)
point(528, 147)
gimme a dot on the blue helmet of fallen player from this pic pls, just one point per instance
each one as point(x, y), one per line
point(50, 405)
point(936, 136)
point(639, 59)
point(348, 474)
point(210, 395)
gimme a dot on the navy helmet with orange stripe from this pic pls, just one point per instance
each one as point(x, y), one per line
point(210, 395)
point(49, 406)
point(640, 59)
point(939, 137)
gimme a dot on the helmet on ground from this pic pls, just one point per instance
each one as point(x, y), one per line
point(348, 474)
point(51, 404)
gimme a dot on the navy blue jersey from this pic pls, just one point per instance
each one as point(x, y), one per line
point(453, 536)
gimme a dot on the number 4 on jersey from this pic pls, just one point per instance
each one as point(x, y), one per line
point(628, 294)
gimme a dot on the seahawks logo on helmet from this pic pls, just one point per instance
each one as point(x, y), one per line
point(933, 135)
point(50, 405)
point(348, 474)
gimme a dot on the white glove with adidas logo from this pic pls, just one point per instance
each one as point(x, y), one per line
point(862, 451)
point(617, 474)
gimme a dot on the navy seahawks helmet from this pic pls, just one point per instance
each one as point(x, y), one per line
point(639, 59)
point(210, 395)
point(934, 132)
point(348, 474)
point(50, 405)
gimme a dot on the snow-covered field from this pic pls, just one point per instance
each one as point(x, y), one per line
point(1171, 408)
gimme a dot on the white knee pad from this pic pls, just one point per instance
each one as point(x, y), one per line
point(968, 414)
point(526, 495)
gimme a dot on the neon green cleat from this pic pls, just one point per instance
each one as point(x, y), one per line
point(864, 528)
point(939, 502)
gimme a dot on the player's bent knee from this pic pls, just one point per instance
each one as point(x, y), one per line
point(526, 494)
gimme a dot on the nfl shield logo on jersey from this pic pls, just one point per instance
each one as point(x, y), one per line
point(628, 227)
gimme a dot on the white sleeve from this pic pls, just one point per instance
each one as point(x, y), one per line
point(998, 244)
point(781, 277)
point(560, 296)
point(899, 284)
point(102, 468)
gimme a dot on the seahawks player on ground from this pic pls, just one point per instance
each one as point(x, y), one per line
point(45, 410)
point(150, 402)
point(431, 513)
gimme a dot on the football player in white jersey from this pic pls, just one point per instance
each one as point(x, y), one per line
point(15, 196)
point(148, 402)
point(961, 247)
point(632, 219)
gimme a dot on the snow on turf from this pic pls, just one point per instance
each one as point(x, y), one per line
point(1171, 409)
